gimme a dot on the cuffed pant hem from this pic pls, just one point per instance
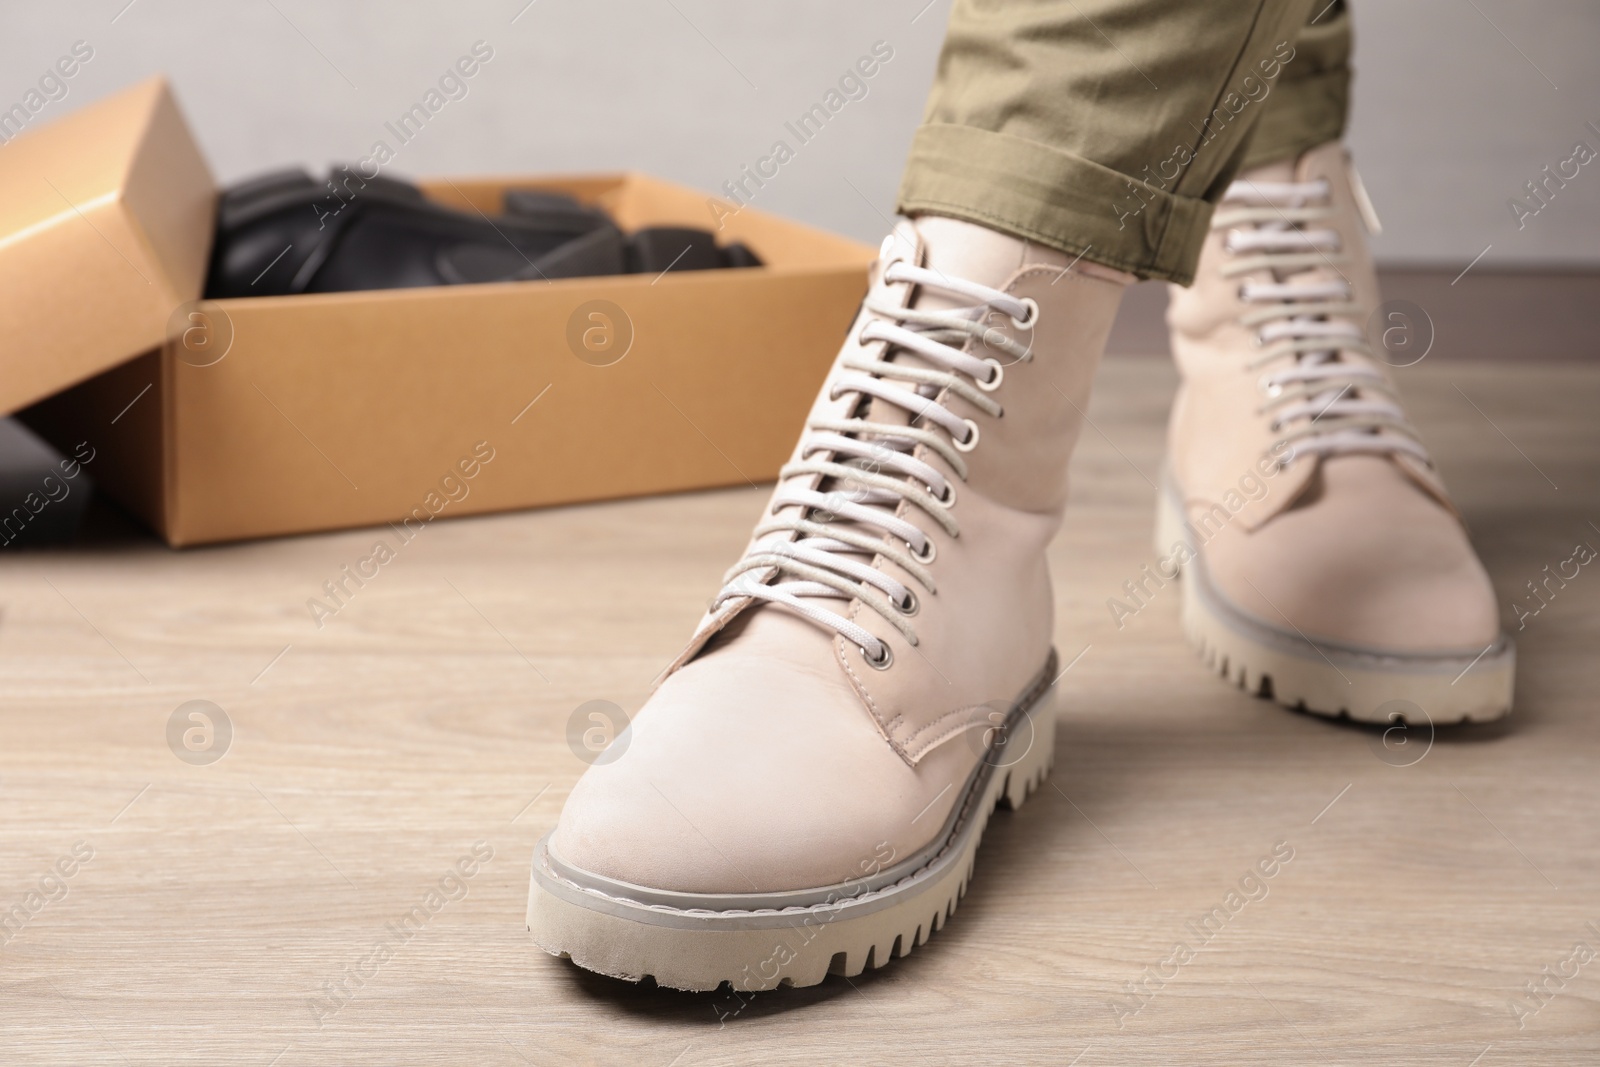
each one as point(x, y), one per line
point(1058, 199)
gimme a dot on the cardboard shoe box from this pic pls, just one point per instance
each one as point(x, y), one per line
point(278, 415)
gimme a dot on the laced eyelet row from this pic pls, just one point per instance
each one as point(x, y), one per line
point(1304, 319)
point(954, 354)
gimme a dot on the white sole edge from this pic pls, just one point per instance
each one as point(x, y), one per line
point(1324, 680)
point(700, 950)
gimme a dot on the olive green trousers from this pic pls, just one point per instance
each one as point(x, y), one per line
point(1109, 128)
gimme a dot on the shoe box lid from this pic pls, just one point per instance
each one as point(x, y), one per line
point(106, 217)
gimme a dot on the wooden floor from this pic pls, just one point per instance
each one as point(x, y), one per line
point(220, 904)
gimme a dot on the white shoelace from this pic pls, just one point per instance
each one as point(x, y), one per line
point(865, 470)
point(1330, 397)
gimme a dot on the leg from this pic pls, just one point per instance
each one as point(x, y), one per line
point(1323, 562)
point(1105, 128)
point(805, 790)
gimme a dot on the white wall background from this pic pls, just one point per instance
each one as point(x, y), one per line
point(1458, 102)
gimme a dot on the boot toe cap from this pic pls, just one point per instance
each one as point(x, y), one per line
point(749, 776)
point(1369, 562)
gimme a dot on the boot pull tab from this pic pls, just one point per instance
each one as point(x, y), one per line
point(1369, 214)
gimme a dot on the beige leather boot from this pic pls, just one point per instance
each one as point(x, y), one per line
point(1322, 561)
point(804, 792)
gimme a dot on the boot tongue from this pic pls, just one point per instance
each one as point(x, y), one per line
point(957, 250)
point(962, 250)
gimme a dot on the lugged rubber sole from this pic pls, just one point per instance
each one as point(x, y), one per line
point(1325, 678)
point(702, 946)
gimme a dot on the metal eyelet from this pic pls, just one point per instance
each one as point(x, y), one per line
point(949, 498)
point(1269, 388)
point(879, 664)
point(931, 551)
point(972, 438)
point(1030, 316)
point(994, 381)
point(889, 253)
point(861, 338)
point(908, 607)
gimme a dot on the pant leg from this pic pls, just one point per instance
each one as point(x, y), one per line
point(1105, 128)
point(1309, 104)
